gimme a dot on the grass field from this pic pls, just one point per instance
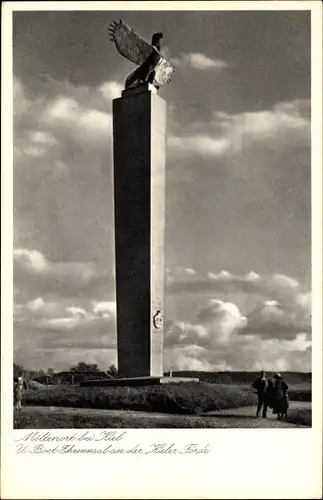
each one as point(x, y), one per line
point(41, 417)
point(181, 405)
point(179, 398)
point(301, 416)
point(68, 421)
point(300, 394)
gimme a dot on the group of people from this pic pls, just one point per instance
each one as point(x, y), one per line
point(272, 393)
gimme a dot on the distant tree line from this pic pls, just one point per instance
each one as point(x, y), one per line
point(80, 371)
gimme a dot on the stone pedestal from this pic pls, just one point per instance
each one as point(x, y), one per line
point(139, 128)
point(137, 381)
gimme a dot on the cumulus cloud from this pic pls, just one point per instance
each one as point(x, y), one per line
point(84, 123)
point(21, 102)
point(34, 274)
point(111, 90)
point(35, 144)
point(63, 304)
point(53, 330)
point(202, 145)
point(63, 109)
point(189, 358)
point(285, 311)
point(189, 271)
point(221, 318)
point(38, 309)
point(199, 61)
point(178, 273)
point(274, 334)
point(272, 286)
point(35, 262)
point(43, 125)
point(72, 303)
point(58, 305)
point(36, 304)
point(106, 309)
point(278, 320)
point(215, 342)
point(227, 133)
point(77, 311)
point(62, 137)
point(40, 137)
point(31, 260)
point(77, 322)
point(267, 123)
point(216, 322)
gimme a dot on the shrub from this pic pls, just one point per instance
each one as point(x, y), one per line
point(300, 416)
point(180, 398)
point(300, 395)
point(33, 384)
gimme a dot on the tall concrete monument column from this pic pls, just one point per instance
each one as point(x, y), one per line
point(139, 132)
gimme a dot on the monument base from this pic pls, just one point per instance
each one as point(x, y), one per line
point(144, 87)
point(135, 381)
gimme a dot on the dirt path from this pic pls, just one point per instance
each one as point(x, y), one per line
point(245, 417)
point(233, 418)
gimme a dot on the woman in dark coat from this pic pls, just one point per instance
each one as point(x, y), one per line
point(281, 398)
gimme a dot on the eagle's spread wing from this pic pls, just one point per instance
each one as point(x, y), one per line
point(129, 43)
point(164, 72)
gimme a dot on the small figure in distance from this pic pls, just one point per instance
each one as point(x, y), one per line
point(19, 384)
point(260, 385)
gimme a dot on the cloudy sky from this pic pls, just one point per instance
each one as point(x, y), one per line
point(238, 188)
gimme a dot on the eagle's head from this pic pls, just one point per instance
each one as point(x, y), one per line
point(155, 40)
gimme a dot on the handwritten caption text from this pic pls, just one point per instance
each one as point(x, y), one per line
point(106, 442)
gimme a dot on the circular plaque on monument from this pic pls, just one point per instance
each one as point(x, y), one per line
point(158, 320)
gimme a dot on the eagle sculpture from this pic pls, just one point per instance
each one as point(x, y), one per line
point(153, 67)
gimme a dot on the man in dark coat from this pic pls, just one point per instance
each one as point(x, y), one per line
point(260, 385)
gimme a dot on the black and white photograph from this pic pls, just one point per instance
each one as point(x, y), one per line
point(162, 220)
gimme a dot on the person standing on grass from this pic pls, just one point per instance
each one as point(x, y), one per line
point(19, 384)
point(260, 385)
point(281, 398)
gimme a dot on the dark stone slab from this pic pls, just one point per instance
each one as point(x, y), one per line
point(136, 381)
point(117, 382)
